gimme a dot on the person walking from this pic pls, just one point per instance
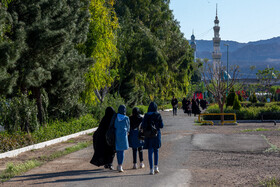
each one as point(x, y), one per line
point(195, 108)
point(184, 105)
point(103, 153)
point(189, 107)
point(122, 126)
point(174, 103)
point(136, 144)
point(153, 143)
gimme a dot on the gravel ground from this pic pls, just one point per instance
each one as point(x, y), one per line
point(216, 168)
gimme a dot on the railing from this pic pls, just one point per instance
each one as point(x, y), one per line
point(217, 114)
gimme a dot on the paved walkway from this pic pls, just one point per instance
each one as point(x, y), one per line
point(179, 139)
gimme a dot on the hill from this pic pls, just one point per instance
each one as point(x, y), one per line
point(261, 54)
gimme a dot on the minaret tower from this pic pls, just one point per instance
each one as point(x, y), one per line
point(193, 45)
point(216, 54)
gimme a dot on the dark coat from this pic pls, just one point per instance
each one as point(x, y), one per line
point(195, 107)
point(155, 142)
point(103, 153)
point(135, 121)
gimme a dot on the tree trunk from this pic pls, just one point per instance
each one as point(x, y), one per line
point(222, 111)
point(37, 95)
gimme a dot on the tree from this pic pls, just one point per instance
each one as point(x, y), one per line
point(216, 84)
point(267, 77)
point(154, 55)
point(101, 46)
point(230, 97)
point(236, 103)
point(50, 31)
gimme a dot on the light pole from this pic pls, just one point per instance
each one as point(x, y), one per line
point(227, 68)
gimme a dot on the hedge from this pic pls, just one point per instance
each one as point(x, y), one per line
point(50, 131)
point(270, 112)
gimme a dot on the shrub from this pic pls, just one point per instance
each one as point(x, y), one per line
point(230, 97)
point(254, 98)
point(236, 103)
point(18, 114)
point(240, 98)
point(52, 130)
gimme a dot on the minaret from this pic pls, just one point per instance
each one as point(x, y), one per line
point(216, 54)
point(193, 45)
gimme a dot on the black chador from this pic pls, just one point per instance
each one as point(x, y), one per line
point(103, 153)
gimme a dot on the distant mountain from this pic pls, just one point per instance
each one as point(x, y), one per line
point(261, 54)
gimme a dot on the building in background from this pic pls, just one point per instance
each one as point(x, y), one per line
point(216, 54)
point(193, 45)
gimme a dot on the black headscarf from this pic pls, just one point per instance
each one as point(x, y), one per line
point(152, 107)
point(122, 109)
point(135, 119)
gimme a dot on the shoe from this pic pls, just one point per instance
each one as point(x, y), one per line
point(134, 166)
point(152, 172)
point(111, 167)
point(142, 165)
point(156, 169)
point(120, 169)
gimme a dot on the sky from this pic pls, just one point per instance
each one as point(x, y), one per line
point(240, 20)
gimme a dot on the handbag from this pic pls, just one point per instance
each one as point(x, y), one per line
point(150, 131)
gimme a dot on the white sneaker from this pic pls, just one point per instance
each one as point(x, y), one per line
point(152, 172)
point(119, 168)
point(142, 165)
point(156, 169)
point(134, 166)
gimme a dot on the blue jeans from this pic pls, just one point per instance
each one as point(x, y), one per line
point(120, 157)
point(150, 155)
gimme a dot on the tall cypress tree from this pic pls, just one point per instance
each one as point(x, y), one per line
point(49, 61)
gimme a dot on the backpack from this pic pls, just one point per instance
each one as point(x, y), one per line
point(150, 131)
point(110, 134)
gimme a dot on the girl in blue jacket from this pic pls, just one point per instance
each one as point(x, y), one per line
point(122, 126)
point(154, 143)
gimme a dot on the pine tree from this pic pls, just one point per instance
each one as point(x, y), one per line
point(230, 98)
point(49, 60)
point(236, 103)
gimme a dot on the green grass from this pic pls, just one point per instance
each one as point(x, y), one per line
point(256, 130)
point(13, 170)
point(270, 182)
point(273, 148)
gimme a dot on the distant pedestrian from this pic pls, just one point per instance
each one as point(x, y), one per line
point(103, 153)
point(153, 143)
point(184, 105)
point(122, 125)
point(134, 142)
point(174, 103)
point(195, 108)
point(189, 107)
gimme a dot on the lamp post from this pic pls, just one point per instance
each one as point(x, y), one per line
point(227, 68)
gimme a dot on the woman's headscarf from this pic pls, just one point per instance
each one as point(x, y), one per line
point(122, 110)
point(152, 107)
point(135, 119)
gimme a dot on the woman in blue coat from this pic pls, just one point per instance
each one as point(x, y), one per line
point(154, 143)
point(122, 126)
point(136, 144)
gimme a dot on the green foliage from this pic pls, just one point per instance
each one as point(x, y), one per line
point(41, 53)
point(270, 112)
point(18, 114)
point(240, 98)
point(236, 103)
point(253, 98)
point(230, 98)
point(155, 57)
point(101, 46)
point(114, 101)
point(143, 109)
point(52, 130)
point(270, 182)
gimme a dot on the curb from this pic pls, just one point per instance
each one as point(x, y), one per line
point(16, 152)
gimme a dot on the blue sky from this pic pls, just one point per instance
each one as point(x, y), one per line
point(240, 20)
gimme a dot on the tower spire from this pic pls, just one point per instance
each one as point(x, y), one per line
point(216, 9)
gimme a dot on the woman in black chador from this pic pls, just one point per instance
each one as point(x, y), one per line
point(195, 107)
point(103, 153)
